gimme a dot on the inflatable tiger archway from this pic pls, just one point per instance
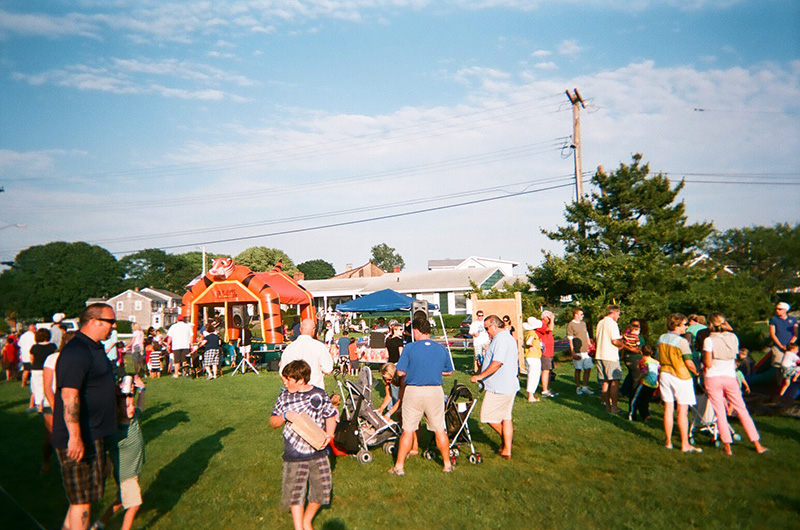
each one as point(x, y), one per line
point(228, 285)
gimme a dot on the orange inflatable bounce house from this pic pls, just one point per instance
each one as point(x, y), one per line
point(230, 286)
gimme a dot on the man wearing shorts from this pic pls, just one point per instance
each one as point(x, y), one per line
point(421, 368)
point(578, 338)
point(609, 371)
point(84, 413)
point(480, 339)
point(499, 375)
point(675, 381)
point(179, 341)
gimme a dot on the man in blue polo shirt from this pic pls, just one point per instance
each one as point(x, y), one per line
point(421, 368)
point(782, 331)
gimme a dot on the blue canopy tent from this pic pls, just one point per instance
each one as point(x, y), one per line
point(387, 300)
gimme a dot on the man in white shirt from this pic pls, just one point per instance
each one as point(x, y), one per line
point(310, 350)
point(26, 340)
point(179, 340)
point(609, 371)
point(480, 339)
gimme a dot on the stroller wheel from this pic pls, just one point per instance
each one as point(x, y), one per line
point(428, 454)
point(475, 458)
point(454, 452)
point(364, 456)
point(691, 440)
point(716, 443)
point(737, 437)
point(454, 461)
point(389, 448)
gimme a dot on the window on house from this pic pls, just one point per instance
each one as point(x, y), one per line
point(120, 306)
point(137, 306)
point(132, 318)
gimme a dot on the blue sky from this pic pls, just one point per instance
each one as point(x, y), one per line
point(176, 124)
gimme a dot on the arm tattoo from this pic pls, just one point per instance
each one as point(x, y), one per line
point(72, 411)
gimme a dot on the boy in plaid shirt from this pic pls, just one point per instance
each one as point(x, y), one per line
point(304, 467)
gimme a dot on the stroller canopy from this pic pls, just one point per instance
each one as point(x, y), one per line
point(386, 300)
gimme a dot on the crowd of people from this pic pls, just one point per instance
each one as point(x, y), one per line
point(75, 384)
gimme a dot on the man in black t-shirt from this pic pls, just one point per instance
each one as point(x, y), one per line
point(84, 412)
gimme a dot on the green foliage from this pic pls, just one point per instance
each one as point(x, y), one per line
point(769, 255)
point(631, 245)
point(57, 277)
point(316, 269)
point(386, 258)
point(263, 259)
point(124, 326)
point(532, 302)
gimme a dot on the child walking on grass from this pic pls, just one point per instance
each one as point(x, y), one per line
point(306, 469)
point(648, 375)
point(127, 454)
point(790, 367)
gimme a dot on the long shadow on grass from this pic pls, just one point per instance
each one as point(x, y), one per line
point(158, 426)
point(182, 473)
point(149, 411)
point(12, 404)
point(334, 524)
point(778, 431)
point(595, 409)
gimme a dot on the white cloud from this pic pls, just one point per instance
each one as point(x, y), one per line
point(539, 54)
point(547, 65)
point(569, 47)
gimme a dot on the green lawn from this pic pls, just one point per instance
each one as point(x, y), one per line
point(214, 462)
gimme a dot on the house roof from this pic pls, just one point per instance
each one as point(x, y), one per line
point(162, 293)
point(470, 261)
point(435, 281)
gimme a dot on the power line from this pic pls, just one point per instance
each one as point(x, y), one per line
point(358, 221)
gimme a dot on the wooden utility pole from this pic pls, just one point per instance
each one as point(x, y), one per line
point(577, 103)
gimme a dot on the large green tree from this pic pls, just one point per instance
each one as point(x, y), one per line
point(631, 244)
point(155, 268)
point(263, 259)
point(769, 255)
point(57, 277)
point(386, 258)
point(316, 269)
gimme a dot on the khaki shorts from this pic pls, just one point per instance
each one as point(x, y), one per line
point(427, 400)
point(129, 493)
point(496, 408)
point(609, 371)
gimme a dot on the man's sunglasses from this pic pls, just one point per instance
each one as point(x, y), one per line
point(107, 320)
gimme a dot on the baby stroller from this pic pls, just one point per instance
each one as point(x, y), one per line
point(362, 426)
point(458, 407)
point(704, 419)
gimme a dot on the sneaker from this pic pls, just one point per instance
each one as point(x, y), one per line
point(549, 393)
point(579, 390)
point(588, 391)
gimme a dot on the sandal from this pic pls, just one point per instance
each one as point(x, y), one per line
point(693, 449)
point(398, 472)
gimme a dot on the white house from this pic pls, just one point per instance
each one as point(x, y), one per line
point(473, 262)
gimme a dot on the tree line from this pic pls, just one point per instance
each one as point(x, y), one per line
point(60, 277)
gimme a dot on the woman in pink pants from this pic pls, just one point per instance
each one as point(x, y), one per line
point(719, 357)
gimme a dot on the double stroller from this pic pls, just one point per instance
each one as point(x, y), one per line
point(458, 407)
point(361, 426)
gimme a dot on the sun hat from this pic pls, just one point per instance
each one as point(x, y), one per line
point(531, 324)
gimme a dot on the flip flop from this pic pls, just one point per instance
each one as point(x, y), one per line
point(447, 470)
point(693, 449)
point(399, 473)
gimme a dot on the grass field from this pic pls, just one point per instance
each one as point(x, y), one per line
point(214, 462)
